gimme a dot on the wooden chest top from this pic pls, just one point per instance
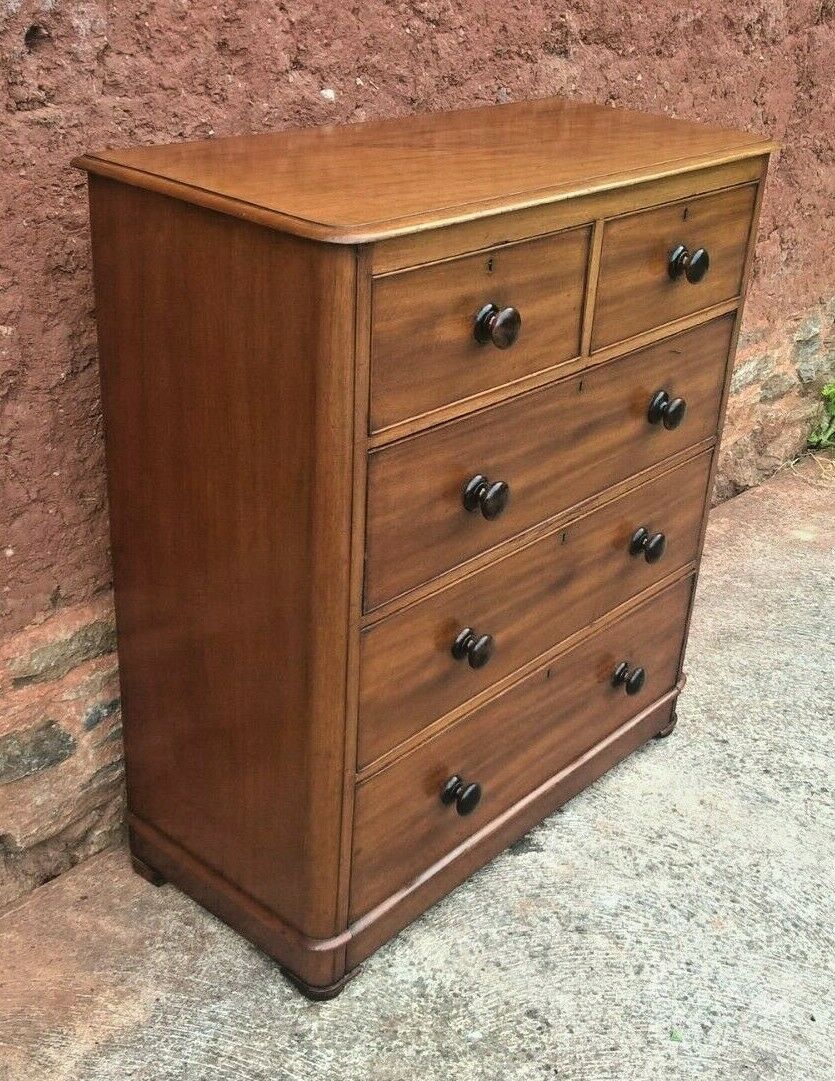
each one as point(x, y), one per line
point(365, 182)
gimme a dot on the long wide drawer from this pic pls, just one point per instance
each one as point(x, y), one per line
point(522, 606)
point(424, 353)
point(552, 448)
point(637, 287)
point(510, 746)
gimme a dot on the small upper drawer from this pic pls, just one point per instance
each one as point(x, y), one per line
point(510, 746)
point(439, 498)
point(424, 352)
point(522, 606)
point(639, 288)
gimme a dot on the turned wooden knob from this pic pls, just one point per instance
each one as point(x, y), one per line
point(631, 679)
point(489, 497)
point(500, 326)
point(464, 794)
point(651, 545)
point(693, 265)
point(666, 410)
point(477, 648)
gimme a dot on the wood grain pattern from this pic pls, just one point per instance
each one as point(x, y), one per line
point(230, 507)
point(509, 747)
point(359, 467)
point(363, 182)
point(483, 697)
point(550, 525)
point(423, 351)
point(547, 375)
point(553, 447)
point(375, 927)
point(592, 278)
point(726, 389)
point(635, 291)
point(318, 961)
point(487, 231)
point(529, 602)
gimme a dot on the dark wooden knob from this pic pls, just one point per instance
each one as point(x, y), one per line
point(464, 794)
point(693, 265)
point(652, 545)
point(477, 648)
point(500, 326)
point(490, 497)
point(632, 679)
point(666, 410)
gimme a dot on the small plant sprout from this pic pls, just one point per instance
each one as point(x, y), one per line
point(823, 434)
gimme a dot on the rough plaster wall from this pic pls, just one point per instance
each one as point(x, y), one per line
point(82, 75)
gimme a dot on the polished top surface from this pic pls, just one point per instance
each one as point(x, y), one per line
point(366, 181)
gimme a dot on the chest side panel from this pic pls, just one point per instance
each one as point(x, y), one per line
point(227, 375)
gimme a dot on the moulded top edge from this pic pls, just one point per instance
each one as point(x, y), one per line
point(362, 183)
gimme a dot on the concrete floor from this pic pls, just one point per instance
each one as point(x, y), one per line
point(674, 921)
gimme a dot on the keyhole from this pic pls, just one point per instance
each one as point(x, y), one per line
point(490, 265)
point(686, 212)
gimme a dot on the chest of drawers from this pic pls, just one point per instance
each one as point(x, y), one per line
point(410, 431)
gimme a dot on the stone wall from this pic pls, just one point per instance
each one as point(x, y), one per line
point(80, 75)
point(60, 745)
point(781, 367)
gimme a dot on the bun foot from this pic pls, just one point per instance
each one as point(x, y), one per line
point(668, 727)
point(146, 872)
point(318, 994)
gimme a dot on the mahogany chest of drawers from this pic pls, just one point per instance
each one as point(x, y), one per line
point(410, 429)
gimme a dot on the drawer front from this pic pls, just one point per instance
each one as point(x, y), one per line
point(424, 353)
point(635, 289)
point(553, 448)
point(508, 747)
point(527, 603)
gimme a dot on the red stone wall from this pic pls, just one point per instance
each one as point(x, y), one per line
point(85, 74)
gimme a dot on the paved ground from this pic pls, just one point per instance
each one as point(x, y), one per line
point(674, 921)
